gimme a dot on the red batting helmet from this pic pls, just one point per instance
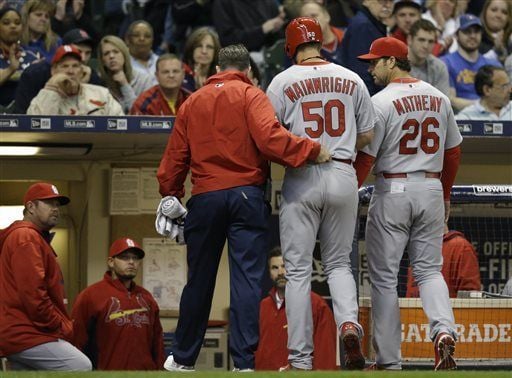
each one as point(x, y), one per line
point(301, 30)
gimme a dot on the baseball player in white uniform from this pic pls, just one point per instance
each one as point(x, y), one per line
point(416, 151)
point(330, 104)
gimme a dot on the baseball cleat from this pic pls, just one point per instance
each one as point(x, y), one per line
point(172, 365)
point(290, 367)
point(354, 359)
point(444, 348)
point(246, 370)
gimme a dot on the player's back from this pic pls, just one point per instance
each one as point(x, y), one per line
point(325, 102)
point(415, 124)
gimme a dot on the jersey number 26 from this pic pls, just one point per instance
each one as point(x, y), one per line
point(324, 124)
point(429, 142)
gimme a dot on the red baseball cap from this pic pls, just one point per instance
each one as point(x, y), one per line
point(384, 47)
point(42, 191)
point(124, 244)
point(66, 50)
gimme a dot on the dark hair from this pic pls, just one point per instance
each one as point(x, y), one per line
point(234, 56)
point(132, 26)
point(422, 24)
point(255, 70)
point(402, 63)
point(5, 10)
point(194, 40)
point(274, 252)
point(303, 46)
point(484, 77)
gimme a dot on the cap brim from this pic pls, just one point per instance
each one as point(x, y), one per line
point(136, 250)
point(368, 57)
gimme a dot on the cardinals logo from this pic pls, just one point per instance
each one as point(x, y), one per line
point(135, 317)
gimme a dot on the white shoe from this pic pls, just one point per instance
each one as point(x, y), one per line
point(172, 365)
point(247, 370)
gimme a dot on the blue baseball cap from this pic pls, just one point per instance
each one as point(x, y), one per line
point(467, 20)
point(406, 3)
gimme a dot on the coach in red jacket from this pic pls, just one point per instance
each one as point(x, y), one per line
point(460, 266)
point(272, 353)
point(224, 133)
point(35, 328)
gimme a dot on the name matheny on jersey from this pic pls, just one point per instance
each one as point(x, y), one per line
point(323, 84)
point(416, 103)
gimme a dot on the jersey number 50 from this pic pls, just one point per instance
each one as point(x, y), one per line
point(429, 139)
point(324, 124)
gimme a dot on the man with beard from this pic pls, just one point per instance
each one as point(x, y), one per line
point(464, 63)
point(116, 322)
point(35, 326)
point(272, 351)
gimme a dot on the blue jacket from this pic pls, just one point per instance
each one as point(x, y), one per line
point(362, 30)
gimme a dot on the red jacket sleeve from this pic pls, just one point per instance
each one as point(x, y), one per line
point(29, 265)
point(324, 335)
point(450, 167)
point(175, 162)
point(363, 165)
point(81, 314)
point(464, 269)
point(158, 339)
point(274, 141)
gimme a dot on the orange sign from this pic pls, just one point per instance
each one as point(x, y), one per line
point(484, 328)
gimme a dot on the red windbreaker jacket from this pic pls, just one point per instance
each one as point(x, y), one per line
point(225, 132)
point(32, 309)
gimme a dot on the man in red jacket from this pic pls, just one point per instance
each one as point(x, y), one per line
point(460, 266)
point(272, 351)
point(224, 133)
point(35, 327)
point(116, 321)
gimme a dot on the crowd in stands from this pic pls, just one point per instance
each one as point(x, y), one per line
point(120, 45)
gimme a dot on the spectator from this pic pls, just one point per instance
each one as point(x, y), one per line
point(370, 19)
point(406, 13)
point(331, 46)
point(464, 63)
point(507, 290)
point(508, 66)
point(139, 39)
point(71, 14)
point(442, 13)
point(253, 23)
point(272, 350)
point(116, 321)
point(35, 327)
point(460, 266)
point(34, 78)
point(200, 56)
point(497, 29)
point(424, 65)
point(124, 83)
point(227, 200)
point(37, 34)
point(13, 57)
point(493, 86)
point(166, 97)
point(65, 94)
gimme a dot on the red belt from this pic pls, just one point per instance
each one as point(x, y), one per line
point(404, 175)
point(346, 161)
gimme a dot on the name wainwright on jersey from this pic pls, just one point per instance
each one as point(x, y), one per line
point(325, 84)
point(416, 103)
